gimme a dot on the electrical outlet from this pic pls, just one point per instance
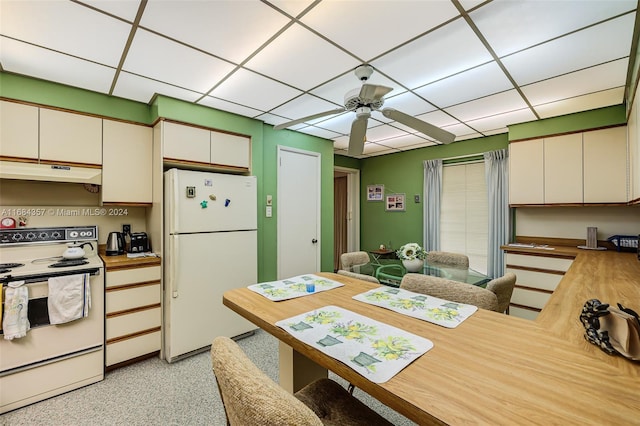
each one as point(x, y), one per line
point(126, 229)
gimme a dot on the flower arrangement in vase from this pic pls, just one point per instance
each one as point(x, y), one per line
point(412, 256)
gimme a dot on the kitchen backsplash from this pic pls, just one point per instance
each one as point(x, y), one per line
point(61, 204)
point(572, 222)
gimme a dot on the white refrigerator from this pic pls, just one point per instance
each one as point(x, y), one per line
point(210, 225)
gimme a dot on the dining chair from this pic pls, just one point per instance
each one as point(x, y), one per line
point(449, 258)
point(453, 291)
point(354, 258)
point(363, 277)
point(250, 397)
point(502, 287)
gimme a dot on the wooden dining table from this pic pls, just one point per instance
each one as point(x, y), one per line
point(490, 369)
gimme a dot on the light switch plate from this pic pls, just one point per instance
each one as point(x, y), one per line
point(269, 211)
point(269, 200)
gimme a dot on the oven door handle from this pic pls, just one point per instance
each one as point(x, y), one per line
point(36, 278)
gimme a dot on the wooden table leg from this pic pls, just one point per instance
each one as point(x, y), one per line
point(296, 370)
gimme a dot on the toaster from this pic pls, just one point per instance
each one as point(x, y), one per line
point(139, 243)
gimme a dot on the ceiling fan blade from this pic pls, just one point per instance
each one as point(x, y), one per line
point(358, 134)
point(419, 125)
point(310, 117)
point(373, 92)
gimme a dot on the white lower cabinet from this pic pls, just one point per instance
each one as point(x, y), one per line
point(538, 277)
point(134, 313)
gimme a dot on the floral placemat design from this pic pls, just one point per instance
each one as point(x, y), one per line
point(294, 287)
point(376, 350)
point(428, 308)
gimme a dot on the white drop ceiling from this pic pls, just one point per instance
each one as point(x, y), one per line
point(471, 67)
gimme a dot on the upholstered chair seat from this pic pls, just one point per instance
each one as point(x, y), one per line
point(251, 398)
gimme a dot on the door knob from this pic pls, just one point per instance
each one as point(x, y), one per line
point(314, 241)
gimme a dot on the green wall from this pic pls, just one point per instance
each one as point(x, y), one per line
point(404, 173)
point(264, 143)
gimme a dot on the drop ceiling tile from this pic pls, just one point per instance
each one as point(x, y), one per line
point(438, 118)
point(123, 9)
point(441, 53)
point(470, 4)
point(581, 103)
point(408, 103)
point(473, 84)
point(66, 27)
point(302, 59)
point(340, 21)
point(469, 136)
point(162, 59)
point(292, 7)
point(232, 30)
point(500, 122)
point(460, 130)
point(596, 79)
point(488, 106)
point(142, 89)
point(321, 133)
point(380, 133)
point(372, 148)
point(336, 89)
point(341, 142)
point(254, 91)
point(223, 105)
point(339, 123)
point(22, 58)
point(598, 44)
point(510, 26)
point(405, 142)
point(303, 106)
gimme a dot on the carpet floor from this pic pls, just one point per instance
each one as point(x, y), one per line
point(153, 392)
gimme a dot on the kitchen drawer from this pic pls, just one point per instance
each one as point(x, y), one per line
point(541, 280)
point(523, 313)
point(134, 275)
point(126, 349)
point(35, 384)
point(121, 325)
point(531, 298)
point(122, 299)
point(540, 262)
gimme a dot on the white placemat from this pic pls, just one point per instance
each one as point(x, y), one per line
point(294, 287)
point(428, 308)
point(376, 350)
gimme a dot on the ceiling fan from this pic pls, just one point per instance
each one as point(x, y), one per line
point(370, 97)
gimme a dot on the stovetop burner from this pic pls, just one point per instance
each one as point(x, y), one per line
point(69, 262)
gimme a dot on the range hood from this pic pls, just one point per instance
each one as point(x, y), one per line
point(49, 172)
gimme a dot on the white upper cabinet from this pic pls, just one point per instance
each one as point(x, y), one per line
point(605, 166)
point(18, 130)
point(580, 168)
point(127, 163)
point(186, 143)
point(526, 172)
point(563, 169)
point(202, 147)
point(230, 150)
point(70, 138)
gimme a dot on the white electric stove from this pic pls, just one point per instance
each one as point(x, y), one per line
point(50, 359)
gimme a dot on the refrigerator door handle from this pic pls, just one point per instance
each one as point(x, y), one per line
point(174, 270)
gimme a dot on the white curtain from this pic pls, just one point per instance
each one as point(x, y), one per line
point(431, 198)
point(497, 177)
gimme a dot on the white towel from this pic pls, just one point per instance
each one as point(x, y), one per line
point(69, 298)
point(15, 323)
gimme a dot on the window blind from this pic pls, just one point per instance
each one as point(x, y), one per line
point(464, 213)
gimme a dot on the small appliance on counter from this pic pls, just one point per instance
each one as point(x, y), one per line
point(115, 244)
point(139, 243)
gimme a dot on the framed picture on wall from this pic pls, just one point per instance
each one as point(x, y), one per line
point(395, 203)
point(375, 192)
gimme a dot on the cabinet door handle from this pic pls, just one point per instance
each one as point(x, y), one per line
point(314, 241)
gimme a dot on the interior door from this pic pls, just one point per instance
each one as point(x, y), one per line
point(298, 209)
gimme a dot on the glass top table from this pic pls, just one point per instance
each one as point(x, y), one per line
point(391, 272)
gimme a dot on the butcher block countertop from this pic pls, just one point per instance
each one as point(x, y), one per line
point(609, 276)
point(114, 263)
